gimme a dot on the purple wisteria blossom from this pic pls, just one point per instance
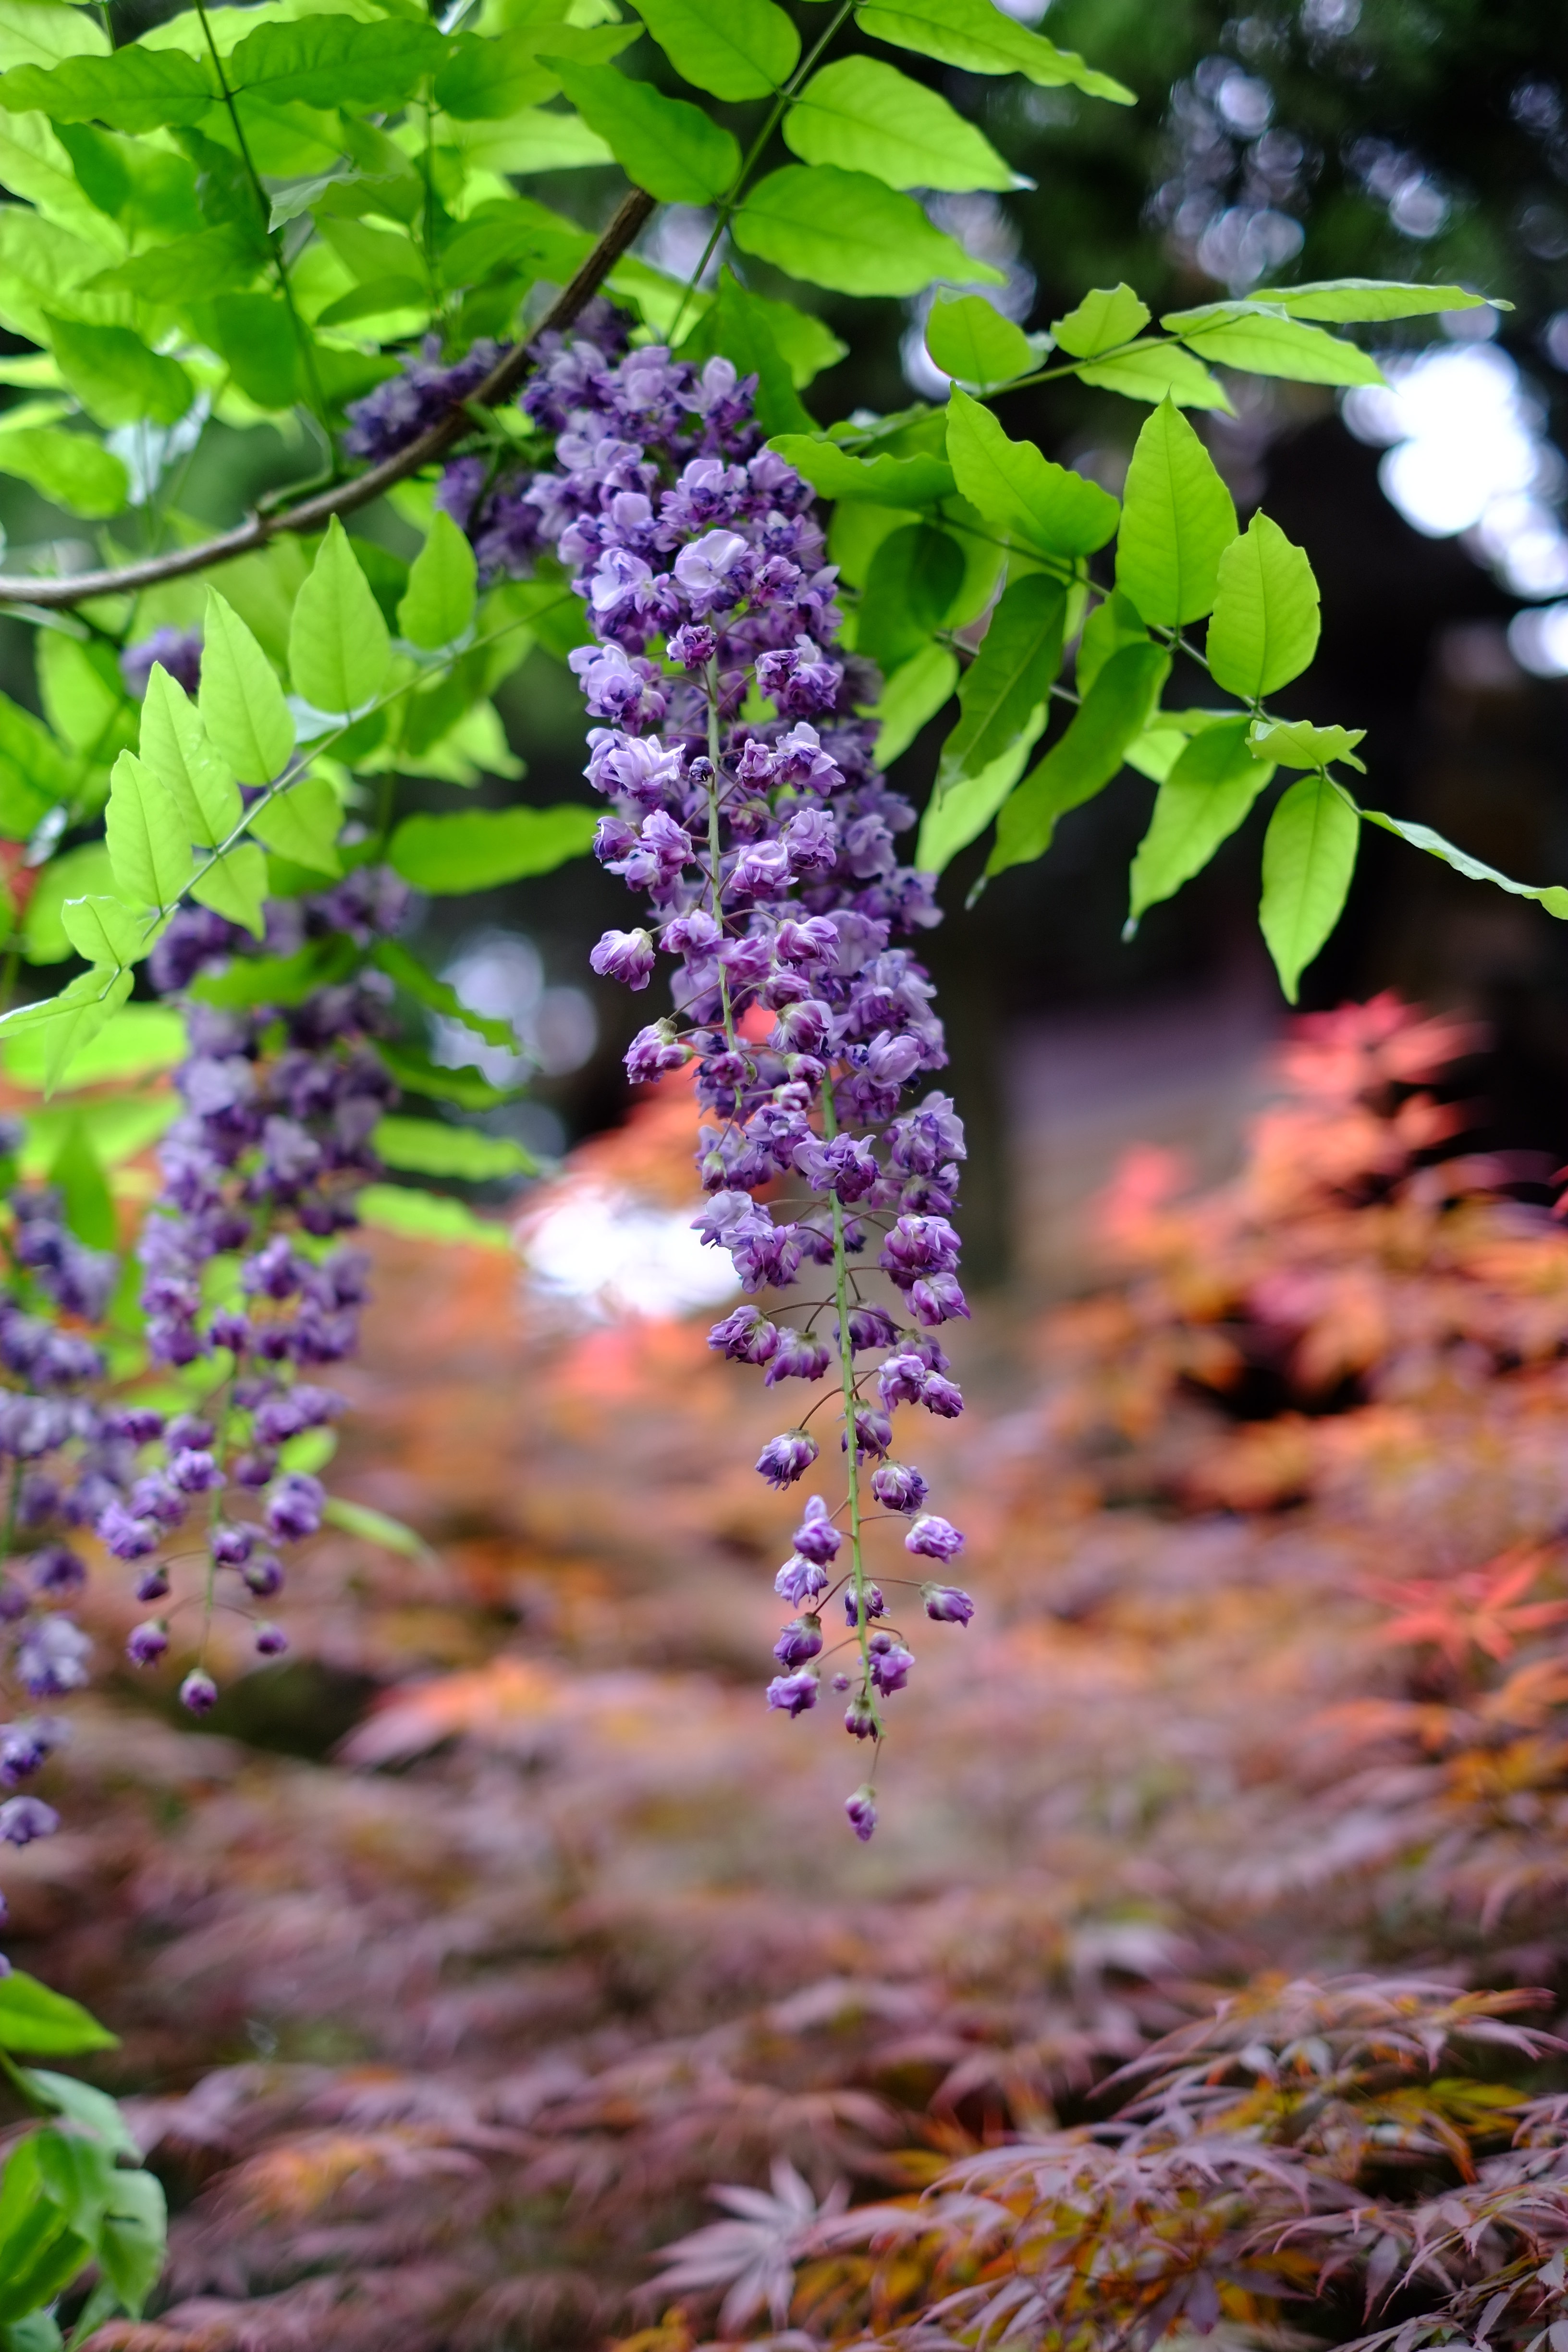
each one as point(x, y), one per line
point(765, 847)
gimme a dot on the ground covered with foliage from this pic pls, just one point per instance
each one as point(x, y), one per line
point(1204, 1969)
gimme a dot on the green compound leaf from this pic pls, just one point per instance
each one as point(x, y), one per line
point(1109, 316)
point(904, 482)
point(302, 825)
point(1292, 743)
point(116, 378)
point(1009, 678)
point(426, 1217)
point(1309, 858)
point(663, 144)
point(850, 233)
point(1552, 895)
point(1263, 344)
point(235, 885)
point(1177, 520)
point(970, 340)
point(240, 700)
point(133, 89)
point(1206, 795)
point(1021, 490)
point(1155, 372)
point(77, 472)
point(1364, 301)
point(437, 605)
point(428, 1147)
point(405, 971)
point(1113, 713)
point(912, 698)
point(332, 62)
point(915, 576)
point(175, 746)
point(867, 116)
point(104, 930)
point(734, 48)
point(481, 848)
point(149, 848)
point(977, 36)
point(339, 648)
point(1264, 628)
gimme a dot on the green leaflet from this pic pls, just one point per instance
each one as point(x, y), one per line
point(744, 328)
point(301, 824)
point(148, 846)
point(78, 874)
point(494, 79)
point(379, 298)
point(235, 885)
point(426, 1217)
point(428, 1147)
point(663, 144)
point(405, 971)
point(1262, 631)
point(482, 847)
point(104, 930)
point(734, 48)
point(910, 698)
point(1115, 623)
point(954, 818)
point(32, 34)
point(146, 189)
point(240, 700)
point(905, 482)
point(538, 140)
point(851, 233)
point(77, 472)
point(416, 1074)
point(1292, 743)
point(175, 746)
point(1109, 316)
point(339, 648)
point(189, 269)
point(915, 575)
point(133, 2237)
point(1009, 678)
point(35, 165)
point(1155, 372)
point(116, 378)
point(1309, 858)
point(39, 2253)
point(78, 1175)
point(1207, 794)
point(1021, 490)
point(967, 33)
point(1177, 520)
point(1261, 345)
point(1552, 895)
point(868, 117)
point(1350, 301)
point(335, 61)
point(133, 89)
point(971, 342)
point(358, 1518)
point(437, 606)
point(66, 1026)
point(1115, 710)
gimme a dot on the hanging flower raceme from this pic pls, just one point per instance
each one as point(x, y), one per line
point(765, 849)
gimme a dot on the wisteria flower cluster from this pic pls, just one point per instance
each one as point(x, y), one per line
point(765, 842)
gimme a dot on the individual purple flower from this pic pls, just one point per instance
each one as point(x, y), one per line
point(797, 1357)
point(861, 1812)
point(899, 1486)
point(293, 1509)
point(263, 1575)
point(800, 1642)
point(800, 1580)
point(782, 1459)
point(934, 1538)
point(51, 1657)
point(946, 1604)
point(793, 1694)
point(890, 1662)
point(860, 1610)
point(125, 1534)
point(23, 1819)
point(816, 1538)
point(198, 1692)
point(937, 1300)
point(901, 1380)
point(195, 1472)
point(231, 1547)
point(626, 956)
point(152, 1584)
point(941, 1396)
point(272, 1641)
point(179, 651)
point(746, 1336)
point(860, 1718)
point(147, 1641)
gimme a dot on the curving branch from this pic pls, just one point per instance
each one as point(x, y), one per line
point(313, 514)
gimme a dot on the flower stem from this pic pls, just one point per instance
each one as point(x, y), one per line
point(714, 849)
point(851, 1449)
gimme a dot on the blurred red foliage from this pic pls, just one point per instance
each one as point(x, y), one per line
point(1188, 1982)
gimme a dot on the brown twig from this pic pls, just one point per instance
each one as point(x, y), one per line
point(313, 514)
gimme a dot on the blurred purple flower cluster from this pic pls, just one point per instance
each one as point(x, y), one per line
point(765, 845)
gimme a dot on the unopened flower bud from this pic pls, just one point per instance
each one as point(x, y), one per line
point(147, 1643)
point(198, 1692)
point(862, 1812)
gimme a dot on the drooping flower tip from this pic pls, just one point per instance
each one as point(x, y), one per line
point(861, 1810)
point(198, 1692)
point(147, 1643)
point(935, 1537)
point(947, 1604)
point(784, 1459)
